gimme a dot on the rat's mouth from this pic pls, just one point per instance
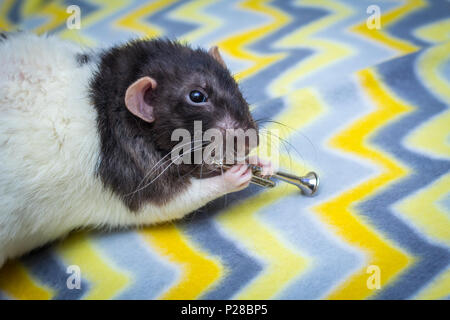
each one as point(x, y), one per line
point(204, 151)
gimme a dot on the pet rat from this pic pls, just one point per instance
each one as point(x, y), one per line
point(80, 130)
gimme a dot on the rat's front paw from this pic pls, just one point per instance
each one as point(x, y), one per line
point(236, 178)
point(267, 168)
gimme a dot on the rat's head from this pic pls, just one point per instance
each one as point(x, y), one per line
point(179, 85)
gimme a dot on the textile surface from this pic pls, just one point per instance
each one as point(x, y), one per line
point(366, 108)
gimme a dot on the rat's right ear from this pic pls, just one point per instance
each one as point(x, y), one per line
point(134, 98)
point(214, 52)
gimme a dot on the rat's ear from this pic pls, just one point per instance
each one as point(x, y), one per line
point(214, 52)
point(134, 98)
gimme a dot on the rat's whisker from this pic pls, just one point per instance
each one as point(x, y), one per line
point(165, 169)
point(266, 120)
point(167, 161)
point(285, 144)
point(170, 153)
point(161, 162)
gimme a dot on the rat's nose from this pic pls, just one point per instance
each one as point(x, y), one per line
point(240, 138)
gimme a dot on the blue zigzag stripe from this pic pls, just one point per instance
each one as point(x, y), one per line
point(435, 11)
point(432, 259)
point(47, 267)
point(139, 262)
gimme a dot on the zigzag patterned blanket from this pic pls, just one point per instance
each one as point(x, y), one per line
point(368, 109)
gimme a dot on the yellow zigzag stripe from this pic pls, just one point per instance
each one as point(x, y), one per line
point(438, 31)
point(241, 220)
point(31, 7)
point(105, 281)
point(283, 262)
point(432, 136)
point(193, 12)
point(133, 21)
point(107, 8)
point(326, 52)
point(341, 213)
point(17, 283)
point(438, 289)
point(56, 12)
point(430, 64)
point(199, 270)
point(385, 38)
point(423, 210)
point(235, 45)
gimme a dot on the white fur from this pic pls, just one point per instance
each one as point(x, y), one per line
point(49, 147)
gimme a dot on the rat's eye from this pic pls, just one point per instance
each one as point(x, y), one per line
point(197, 97)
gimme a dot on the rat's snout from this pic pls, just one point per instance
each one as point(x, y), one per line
point(239, 140)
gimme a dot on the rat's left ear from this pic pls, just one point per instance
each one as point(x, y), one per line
point(214, 52)
point(134, 98)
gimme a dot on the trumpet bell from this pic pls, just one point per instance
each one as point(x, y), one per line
point(308, 184)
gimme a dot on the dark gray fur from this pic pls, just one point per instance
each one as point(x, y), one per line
point(130, 147)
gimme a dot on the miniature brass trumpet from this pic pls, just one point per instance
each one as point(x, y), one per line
point(307, 184)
